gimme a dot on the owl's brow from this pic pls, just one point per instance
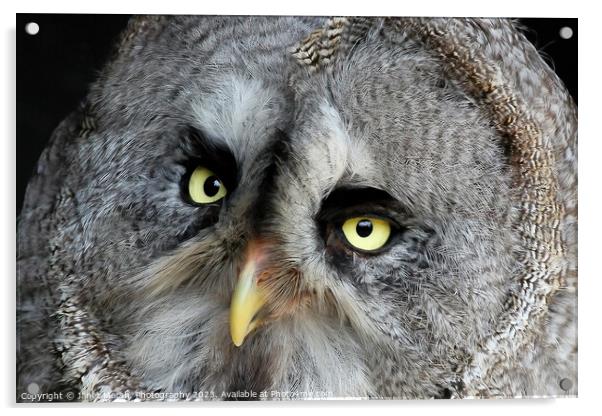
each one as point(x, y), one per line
point(345, 197)
point(213, 153)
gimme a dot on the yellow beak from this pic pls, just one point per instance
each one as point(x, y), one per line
point(247, 300)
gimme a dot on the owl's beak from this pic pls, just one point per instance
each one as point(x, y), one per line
point(247, 298)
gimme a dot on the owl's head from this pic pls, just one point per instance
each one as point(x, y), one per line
point(245, 221)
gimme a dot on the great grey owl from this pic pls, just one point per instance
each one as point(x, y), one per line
point(290, 208)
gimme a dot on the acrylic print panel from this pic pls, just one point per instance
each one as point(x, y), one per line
point(270, 208)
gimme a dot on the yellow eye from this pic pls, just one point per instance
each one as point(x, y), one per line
point(205, 187)
point(367, 233)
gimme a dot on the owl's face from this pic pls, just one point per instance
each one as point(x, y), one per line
point(248, 225)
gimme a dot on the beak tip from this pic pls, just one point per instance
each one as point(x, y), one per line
point(238, 332)
point(237, 341)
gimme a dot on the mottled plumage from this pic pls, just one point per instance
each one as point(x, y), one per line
point(454, 130)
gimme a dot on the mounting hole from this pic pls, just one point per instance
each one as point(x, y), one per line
point(566, 384)
point(33, 388)
point(566, 32)
point(32, 28)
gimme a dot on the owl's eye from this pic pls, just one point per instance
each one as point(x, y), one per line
point(367, 233)
point(205, 187)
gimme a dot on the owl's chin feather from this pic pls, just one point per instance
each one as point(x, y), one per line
point(184, 345)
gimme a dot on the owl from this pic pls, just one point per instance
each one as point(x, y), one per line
point(280, 208)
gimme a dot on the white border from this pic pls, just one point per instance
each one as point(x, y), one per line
point(589, 191)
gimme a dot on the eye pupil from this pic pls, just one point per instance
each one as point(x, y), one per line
point(364, 228)
point(212, 186)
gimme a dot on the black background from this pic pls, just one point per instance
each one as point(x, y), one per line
point(55, 67)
